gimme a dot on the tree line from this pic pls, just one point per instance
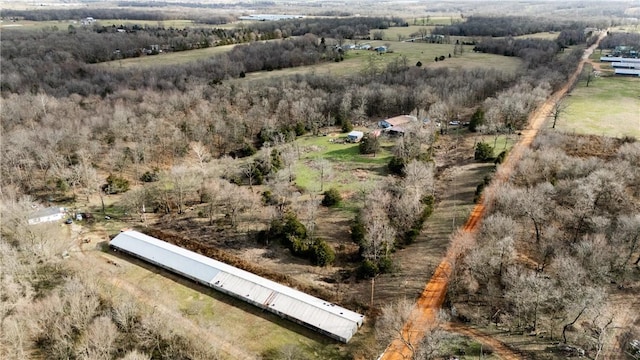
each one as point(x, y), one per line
point(558, 234)
point(507, 26)
point(81, 13)
point(614, 39)
point(347, 28)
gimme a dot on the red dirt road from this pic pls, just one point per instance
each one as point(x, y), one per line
point(433, 295)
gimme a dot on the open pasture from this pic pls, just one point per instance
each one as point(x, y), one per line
point(361, 60)
point(610, 106)
point(166, 59)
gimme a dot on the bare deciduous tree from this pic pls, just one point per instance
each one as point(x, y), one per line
point(422, 343)
point(559, 108)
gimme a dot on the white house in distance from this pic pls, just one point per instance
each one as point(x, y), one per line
point(47, 214)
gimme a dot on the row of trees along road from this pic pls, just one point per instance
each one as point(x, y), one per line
point(558, 235)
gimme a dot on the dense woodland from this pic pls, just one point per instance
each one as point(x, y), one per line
point(178, 136)
point(507, 26)
point(558, 235)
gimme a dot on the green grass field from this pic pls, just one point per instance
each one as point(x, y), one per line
point(215, 311)
point(357, 60)
point(610, 106)
point(181, 57)
point(348, 171)
point(541, 35)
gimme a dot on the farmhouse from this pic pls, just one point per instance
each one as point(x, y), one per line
point(397, 121)
point(319, 315)
point(355, 136)
point(47, 214)
point(397, 125)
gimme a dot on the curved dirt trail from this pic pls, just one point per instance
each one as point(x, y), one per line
point(433, 295)
point(498, 347)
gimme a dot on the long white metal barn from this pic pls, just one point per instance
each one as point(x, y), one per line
point(312, 312)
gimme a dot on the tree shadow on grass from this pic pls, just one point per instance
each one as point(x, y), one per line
point(352, 154)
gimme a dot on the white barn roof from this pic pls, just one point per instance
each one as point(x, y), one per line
point(627, 71)
point(325, 317)
point(618, 59)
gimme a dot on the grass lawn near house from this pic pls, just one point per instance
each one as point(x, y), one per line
point(610, 106)
point(346, 169)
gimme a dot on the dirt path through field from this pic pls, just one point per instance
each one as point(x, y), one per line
point(498, 347)
point(431, 299)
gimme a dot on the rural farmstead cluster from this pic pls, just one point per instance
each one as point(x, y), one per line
point(319, 180)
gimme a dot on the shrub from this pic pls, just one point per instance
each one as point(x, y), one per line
point(322, 253)
point(480, 188)
point(300, 129)
point(396, 165)
point(628, 139)
point(332, 197)
point(385, 265)
point(367, 270)
point(247, 149)
point(477, 120)
point(357, 230)
point(369, 144)
point(268, 198)
point(115, 185)
point(347, 126)
point(484, 152)
point(500, 158)
point(149, 177)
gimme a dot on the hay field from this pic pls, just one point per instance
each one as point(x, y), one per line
point(610, 106)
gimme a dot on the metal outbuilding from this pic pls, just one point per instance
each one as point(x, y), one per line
point(322, 316)
point(47, 214)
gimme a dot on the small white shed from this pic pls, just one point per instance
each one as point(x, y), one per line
point(355, 136)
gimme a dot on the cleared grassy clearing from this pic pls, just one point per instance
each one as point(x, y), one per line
point(27, 25)
point(541, 35)
point(176, 58)
point(610, 106)
point(348, 170)
point(359, 60)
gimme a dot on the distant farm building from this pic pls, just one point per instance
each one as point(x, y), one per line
point(397, 125)
point(319, 315)
point(355, 136)
point(270, 17)
point(45, 215)
point(88, 21)
point(623, 65)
